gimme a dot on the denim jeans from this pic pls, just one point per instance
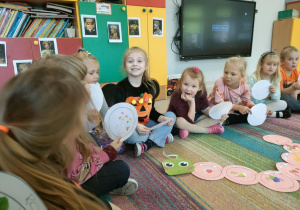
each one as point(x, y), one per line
point(157, 135)
point(111, 176)
point(292, 102)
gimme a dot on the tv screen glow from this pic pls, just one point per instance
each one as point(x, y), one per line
point(216, 28)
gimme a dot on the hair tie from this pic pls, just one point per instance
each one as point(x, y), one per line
point(271, 52)
point(4, 129)
point(80, 50)
point(196, 69)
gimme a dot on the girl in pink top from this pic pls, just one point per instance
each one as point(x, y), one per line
point(232, 87)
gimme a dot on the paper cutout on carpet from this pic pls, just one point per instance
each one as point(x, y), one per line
point(258, 115)
point(208, 171)
point(176, 166)
point(240, 174)
point(289, 170)
point(292, 148)
point(121, 120)
point(276, 180)
point(276, 139)
point(261, 89)
point(292, 158)
point(19, 194)
point(217, 111)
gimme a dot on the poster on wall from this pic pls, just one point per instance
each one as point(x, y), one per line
point(114, 32)
point(103, 8)
point(3, 59)
point(158, 27)
point(89, 26)
point(134, 27)
point(48, 46)
point(21, 65)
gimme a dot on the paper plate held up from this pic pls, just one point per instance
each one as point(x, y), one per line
point(19, 193)
point(260, 89)
point(258, 115)
point(121, 120)
point(217, 111)
point(96, 96)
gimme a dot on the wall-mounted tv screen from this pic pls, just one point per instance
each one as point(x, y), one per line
point(216, 28)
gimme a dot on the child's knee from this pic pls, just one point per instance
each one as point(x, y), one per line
point(170, 115)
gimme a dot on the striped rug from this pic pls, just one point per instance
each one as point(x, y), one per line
point(239, 145)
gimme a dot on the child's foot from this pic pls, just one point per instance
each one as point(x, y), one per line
point(128, 189)
point(183, 134)
point(216, 129)
point(139, 148)
point(169, 138)
point(284, 114)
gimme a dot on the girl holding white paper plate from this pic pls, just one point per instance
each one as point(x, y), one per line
point(264, 85)
point(232, 87)
point(92, 168)
point(189, 103)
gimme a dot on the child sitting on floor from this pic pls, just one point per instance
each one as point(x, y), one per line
point(190, 105)
point(290, 84)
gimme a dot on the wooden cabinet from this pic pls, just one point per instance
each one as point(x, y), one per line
point(110, 55)
point(153, 44)
point(286, 32)
point(28, 49)
point(147, 3)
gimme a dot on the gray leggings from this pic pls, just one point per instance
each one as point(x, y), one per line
point(292, 102)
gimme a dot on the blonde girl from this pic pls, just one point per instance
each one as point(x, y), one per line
point(189, 102)
point(268, 68)
point(92, 168)
point(232, 87)
point(41, 110)
point(138, 90)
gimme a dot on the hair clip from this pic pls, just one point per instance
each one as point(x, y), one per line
point(271, 52)
point(196, 69)
point(4, 129)
point(80, 50)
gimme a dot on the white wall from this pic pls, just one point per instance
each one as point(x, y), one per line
point(213, 68)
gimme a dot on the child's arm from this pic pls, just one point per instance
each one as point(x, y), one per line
point(192, 107)
point(292, 89)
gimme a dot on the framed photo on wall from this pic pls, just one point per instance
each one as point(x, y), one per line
point(21, 65)
point(3, 59)
point(89, 26)
point(158, 25)
point(134, 27)
point(114, 32)
point(48, 46)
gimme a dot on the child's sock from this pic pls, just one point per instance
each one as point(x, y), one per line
point(183, 134)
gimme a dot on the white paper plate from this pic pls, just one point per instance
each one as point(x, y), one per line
point(260, 89)
point(217, 111)
point(18, 192)
point(258, 115)
point(96, 96)
point(121, 120)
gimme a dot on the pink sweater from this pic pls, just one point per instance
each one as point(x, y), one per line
point(222, 92)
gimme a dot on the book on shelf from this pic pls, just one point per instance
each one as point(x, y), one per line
point(63, 27)
point(15, 24)
point(9, 22)
point(22, 25)
point(52, 21)
point(32, 27)
point(39, 26)
point(14, 6)
point(52, 16)
point(56, 29)
point(46, 23)
point(52, 27)
point(24, 30)
point(59, 7)
point(4, 19)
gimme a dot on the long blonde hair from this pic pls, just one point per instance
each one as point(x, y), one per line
point(269, 57)
point(146, 80)
point(241, 63)
point(38, 108)
point(194, 73)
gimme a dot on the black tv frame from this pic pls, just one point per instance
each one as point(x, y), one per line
point(201, 57)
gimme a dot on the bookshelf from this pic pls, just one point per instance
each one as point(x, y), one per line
point(41, 4)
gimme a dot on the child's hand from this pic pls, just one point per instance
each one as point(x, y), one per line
point(163, 118)
point(87, 87)
point(186, 97)
point(116, 144)
point(269, 112)
point(272, 89)
point(296, 85)
point(244, 109)
point(142, 130)
point(92, 116)
point(224, 117)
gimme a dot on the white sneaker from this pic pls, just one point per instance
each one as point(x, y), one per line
point(169, 138)
point(128, 189)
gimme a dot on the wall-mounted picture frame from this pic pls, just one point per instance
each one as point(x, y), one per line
point(134, 27)
point(48, 46)
point(103, 8)
point(3, 58)
point(21, 65)
point(158, 25)
point(89, 26)
point(114, 32)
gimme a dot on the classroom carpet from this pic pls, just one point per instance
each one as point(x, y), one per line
point(240, 144)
